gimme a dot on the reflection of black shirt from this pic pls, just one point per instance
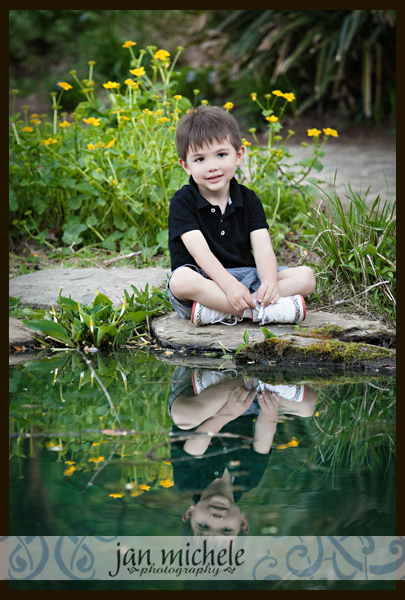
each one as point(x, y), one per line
point(237, 455)
point(227, 235)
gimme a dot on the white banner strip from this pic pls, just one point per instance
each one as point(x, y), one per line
point(201, 558)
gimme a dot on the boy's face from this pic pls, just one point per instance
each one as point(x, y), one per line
point(216, 515)
point(212, 167)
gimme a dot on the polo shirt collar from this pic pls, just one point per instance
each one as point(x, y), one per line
point(234, 192)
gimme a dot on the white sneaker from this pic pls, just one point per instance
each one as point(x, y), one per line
point(202, 378)
point(290, 309)
point(295, 393)
point(202, 315)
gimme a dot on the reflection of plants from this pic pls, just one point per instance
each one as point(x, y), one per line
point(99, 324)
point(352, 425)
point(80, 428)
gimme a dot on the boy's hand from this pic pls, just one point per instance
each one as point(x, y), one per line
point(239, 296)
point(268, 293)
point(238, 402)
point(268, 402)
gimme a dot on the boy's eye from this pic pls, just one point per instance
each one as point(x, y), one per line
point(200, 159)
point(221, 154)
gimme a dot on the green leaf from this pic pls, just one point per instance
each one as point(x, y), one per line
point(34, 314)
point(54, 330)
point(267, 334)
point(102, 299)
point(246, 337)
point(105, 330)
point(72, 233)
point(136, 317)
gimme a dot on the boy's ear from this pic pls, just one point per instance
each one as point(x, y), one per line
point(188, 513)
point(244, 525)
point(239, 155)
point(184, 165)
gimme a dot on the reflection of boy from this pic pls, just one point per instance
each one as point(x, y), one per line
point(213, 223)
point(208, 402)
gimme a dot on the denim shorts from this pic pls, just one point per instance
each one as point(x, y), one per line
point(246, 275)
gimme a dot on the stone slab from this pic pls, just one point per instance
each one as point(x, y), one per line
point(41, 289)
point(173, 332)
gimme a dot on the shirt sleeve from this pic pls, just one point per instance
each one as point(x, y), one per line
point(255, 212)
point(183, 215)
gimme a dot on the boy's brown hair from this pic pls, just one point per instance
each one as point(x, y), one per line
point(204, 125)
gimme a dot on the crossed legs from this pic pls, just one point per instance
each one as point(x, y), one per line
point(186, 284)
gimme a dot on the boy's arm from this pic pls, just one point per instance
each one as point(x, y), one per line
point(237, 294)
point(266, 265)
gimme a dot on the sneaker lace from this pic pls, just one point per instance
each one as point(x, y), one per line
point(229, 320)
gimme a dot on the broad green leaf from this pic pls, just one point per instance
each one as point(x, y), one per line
point(54, 330)
point(34, 314)
point(136, 317)
point(267, 334)
point(106, 330)
point(102, 299)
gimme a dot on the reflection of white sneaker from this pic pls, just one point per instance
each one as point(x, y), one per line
point(202, 315)
point(202, 378)
point(295, 393)
point(290, 309)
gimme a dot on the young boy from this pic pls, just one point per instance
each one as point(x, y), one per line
point(214, 223)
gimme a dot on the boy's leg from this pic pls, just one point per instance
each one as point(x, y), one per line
point(186, 284)
point(297, 280)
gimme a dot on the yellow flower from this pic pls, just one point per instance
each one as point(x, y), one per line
point(294, 442)
point(166, 483)
point(137, 72)
point(316, 414)
point(128, 44)
point(28, 129)
point(70, 462)
point(100, 144)
point(177, 97)
point(110, 85)
point(34, 116)
point(253, 96)
point(272, 119)
point(245, 142)
point(115, 496)
point(146, 111)
point(69, 471)
point(126, 118)
point(277, 93)
point(163, 119)
point(329, 131)
point(144, 487)
point(96, 460)
point(90, 147)
point(228, 105)
point(204, 102)
point(111, 144)
point(92, 121)
point(158, 112)
point(136, 493)
point(64, 85)
point(313, 132)
point(162, 54)
point(64, 124)
point(96, 443)
point(130, 82)
point(35, 121)
point(290, 96)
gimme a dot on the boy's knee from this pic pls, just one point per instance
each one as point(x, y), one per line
point(179, 279)
point(310, 280)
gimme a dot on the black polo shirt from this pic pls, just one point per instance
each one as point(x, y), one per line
point(227, 235)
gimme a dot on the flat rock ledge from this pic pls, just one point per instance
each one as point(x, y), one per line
point(321, 330)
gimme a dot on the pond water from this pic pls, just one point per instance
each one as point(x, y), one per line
point(155, 445)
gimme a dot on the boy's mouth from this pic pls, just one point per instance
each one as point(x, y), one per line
point(214, 178)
